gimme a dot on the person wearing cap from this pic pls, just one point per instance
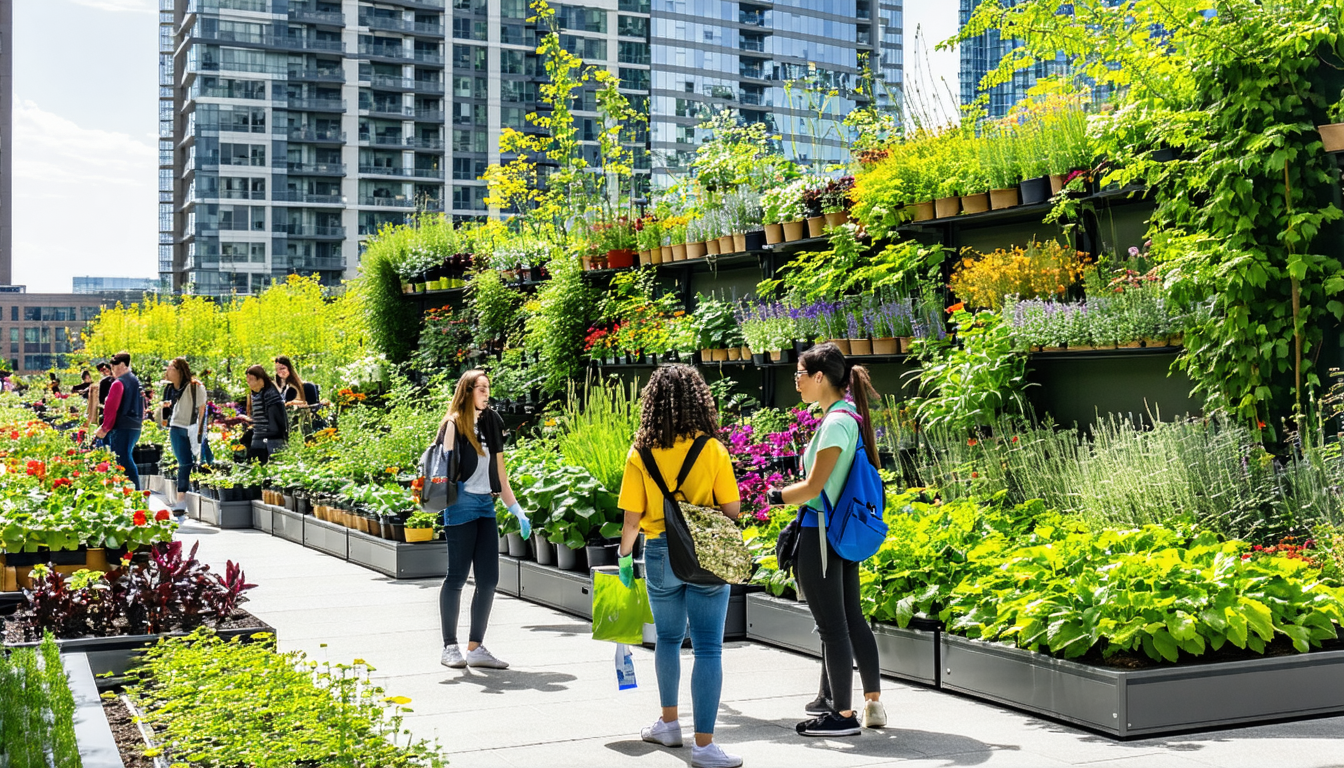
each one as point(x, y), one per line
point(123, 415)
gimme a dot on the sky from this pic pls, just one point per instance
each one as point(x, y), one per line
point(85, 132)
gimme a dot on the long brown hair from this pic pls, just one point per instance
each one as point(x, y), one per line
point(183, 369)
point(292, 380)
point(460, 409)
point(675, 403)
point(257, 372)
point(828, 360)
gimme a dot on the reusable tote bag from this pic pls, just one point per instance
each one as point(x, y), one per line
point(619, 613)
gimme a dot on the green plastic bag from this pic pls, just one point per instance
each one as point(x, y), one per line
point(619, 612)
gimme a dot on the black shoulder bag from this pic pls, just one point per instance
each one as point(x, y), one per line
point(680, 545)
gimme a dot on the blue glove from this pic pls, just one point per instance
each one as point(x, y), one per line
point(627, 572)
point(517, 511)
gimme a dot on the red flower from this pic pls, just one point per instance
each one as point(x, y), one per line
point(974, 475)
point(161, 515)
point(972, 442)
point(960, 305)
point(139, 517)
point(60, 482)
point(1260, 424)
point(125, 491)
point(102, 466)
point(146, 493)
point(1014, 438)
point(70, 452)
point(75, 473)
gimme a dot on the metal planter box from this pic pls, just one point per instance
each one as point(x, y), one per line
point(397, 559)
point(1133, 703)
point(262, 517)
point(735, 625)
point(287, 524)
point(326, 537)
point(508, 576)
point(910, 653)
point(93, 736)
point(567, 591)
point(785, 623)
point(225, 514)
point(114, 655)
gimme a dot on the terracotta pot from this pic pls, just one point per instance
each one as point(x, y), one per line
point(779, 355)
point(745, 352)
point(1003, 198)
point(695, 250)
point(712, 246)
point(947, 207)
point(887, 345)
point(843, 344)
point(656, 255)
point(706, 355)
point(836, 219)
point(1056, 183)
point(861, 346)
point(726, 244)
point(816, 226)
point(793, 230)
point(975, 203)
point(679, 252)
point(734, 353)
point(1332, 136)
point(667, 254)
point(620, 259)
point(923, 211)
point(739, 242)
point(906, 343)
point(645, 258)
point(416, 535)
point(719, 355)
point(774, 233)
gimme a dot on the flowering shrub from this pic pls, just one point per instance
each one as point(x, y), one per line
point(763, 458)
point(445, 340)
point(1039, 270)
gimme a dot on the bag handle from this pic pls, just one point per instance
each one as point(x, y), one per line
point(651, 466)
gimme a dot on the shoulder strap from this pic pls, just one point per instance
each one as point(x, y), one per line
point(691, 456)
point(651, 466)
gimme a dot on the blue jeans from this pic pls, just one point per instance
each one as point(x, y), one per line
point(469, 507)
point(207, 456)
point(186, 460)
point(122, 442)
point(674, 602)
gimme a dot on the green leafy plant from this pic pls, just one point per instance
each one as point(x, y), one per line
point(969, 385)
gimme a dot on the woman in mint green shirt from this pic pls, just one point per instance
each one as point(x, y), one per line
point(831, 583)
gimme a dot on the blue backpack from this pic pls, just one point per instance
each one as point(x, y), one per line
point(854, 525)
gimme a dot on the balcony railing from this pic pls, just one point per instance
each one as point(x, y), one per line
point(428, 86)
point(329, 137)
point(310, 16)
point(752, 98)
point(320, 169)
point(426, 4)
point(380, 140)
point(386, 23)
point(270, 40)
point(398, 201)
point(751, 44)
point(387, 110)
point(322, 263)
point(408, 173)
point(385, 51)
point(425, 143)
point(429, 115)
point(208, 6)
point(434, 30)
point(391, 82)
point(425, 57)
point(302, 230)
point(317, 105)
point(323, 75)
point(292, 196)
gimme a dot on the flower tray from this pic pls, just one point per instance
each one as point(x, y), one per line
point(1145, 702)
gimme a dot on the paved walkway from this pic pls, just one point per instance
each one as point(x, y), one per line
point(558, 705)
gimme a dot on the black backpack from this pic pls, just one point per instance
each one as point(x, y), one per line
point(680, 545)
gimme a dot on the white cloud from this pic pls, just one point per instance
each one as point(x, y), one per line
point(132, 6)
point(85, 202)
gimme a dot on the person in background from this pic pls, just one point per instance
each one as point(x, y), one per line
point(6, 382)
point(676, 409)
point(184, 403)
point(53, 383)
point(476, 433)
point(266, 411)
point(84, 385)
point(98, 395)
point(296, 391)
point(830, 582)
point(123, 415)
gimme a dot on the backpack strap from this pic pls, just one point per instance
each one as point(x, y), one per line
point(651, 466)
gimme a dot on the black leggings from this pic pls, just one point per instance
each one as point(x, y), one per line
point(846, 636)
point(474, 544)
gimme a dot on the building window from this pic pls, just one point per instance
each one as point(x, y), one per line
point(469, 29)
point(242, 154)
point(633, 53)
point(632, 26)
point(634, 79)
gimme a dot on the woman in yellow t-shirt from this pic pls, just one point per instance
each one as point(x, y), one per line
point(677, 408)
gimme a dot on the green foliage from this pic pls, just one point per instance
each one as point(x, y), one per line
point(393, 322)
point(851, 267)
point(565, 503)
point(36, 709)
point(716, 323)
point(557, 322)
point(494, 305)
point(214, 704)
point(597, 428)
point(968, 384)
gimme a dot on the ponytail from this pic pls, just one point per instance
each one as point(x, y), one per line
point(860, 387)
point(828, 360)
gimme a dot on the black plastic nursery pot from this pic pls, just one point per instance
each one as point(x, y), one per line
point(602, 554)
point(1035, 191)
point(755, 240)
point(517, 545)
point(544, 549)
point(567, 559)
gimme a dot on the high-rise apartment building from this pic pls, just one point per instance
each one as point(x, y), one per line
point(6, 141)
point(291, 130)
point(710, 54)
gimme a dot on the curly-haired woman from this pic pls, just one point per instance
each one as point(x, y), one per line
point(830, 582)
point(677, 408)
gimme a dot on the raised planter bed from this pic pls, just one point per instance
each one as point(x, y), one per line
point(780, 622)
point(397, 559)
point(110, 657)
point(326, 537)
point(287, 524)
point(262, 519)
point(508, 576)
point(910, 653)
point(97, 747)
point(1146, 702)
point(563, 590)
point(225, 514)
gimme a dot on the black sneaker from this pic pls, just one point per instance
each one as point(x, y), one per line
point(819, 706)
point(830, 724)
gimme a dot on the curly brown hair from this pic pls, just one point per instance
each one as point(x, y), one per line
point(675, 403)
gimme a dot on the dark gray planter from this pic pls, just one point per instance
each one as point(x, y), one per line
point(508, 576)
point(326, 537)
point(287, 524)
point(543, 549)
point(910, 653)
point(93, 736)
point(563, 590)
point(397, 559)
point(785, 623)
point(517, 545)
point(110, 657)
point(1132, 703)
point(261, 517)
point(226, 514)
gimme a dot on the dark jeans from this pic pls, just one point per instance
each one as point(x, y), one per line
point(186, 460)
point(846, 636)
point(122, 442)
point(261, 450)
point(473, 545)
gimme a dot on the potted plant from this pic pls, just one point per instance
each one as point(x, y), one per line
point(835, 200)
point(716, 326)
point(696, 234)
point(832, 324)
point(787, 202)
point(816, 220)
point(649, 237)
point(420, 527)
point(892, 323)
point(618, 240)
point(999, 157)
point(1332, 134)
point(859, 342)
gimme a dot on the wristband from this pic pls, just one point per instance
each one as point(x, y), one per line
point(774, 496)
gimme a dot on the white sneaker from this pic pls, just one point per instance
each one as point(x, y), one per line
point(484, 659)
point(711, 756)
point(452, 657)
point(874, 714)
point(667, 734)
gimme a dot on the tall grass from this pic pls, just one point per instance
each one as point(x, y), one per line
point(597, 428)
